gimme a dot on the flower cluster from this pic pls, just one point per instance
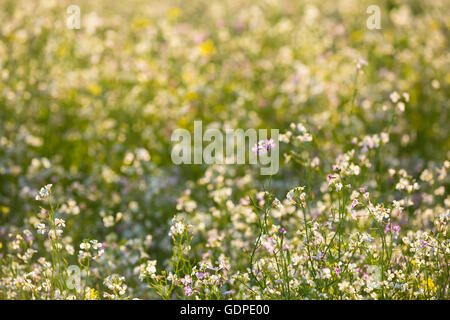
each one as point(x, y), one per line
point(90, 249)
point(263, 146)
point(44, 193)
point(359, 209)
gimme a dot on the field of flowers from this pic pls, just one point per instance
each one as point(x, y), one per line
point(93, 207)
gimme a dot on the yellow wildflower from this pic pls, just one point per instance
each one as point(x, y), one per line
point(95, 89)
point(428, 285)
point(91, 295)
point(174, 14)
point(4, 210)
point(207, 48)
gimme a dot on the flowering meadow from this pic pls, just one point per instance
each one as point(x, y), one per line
point(93, 207)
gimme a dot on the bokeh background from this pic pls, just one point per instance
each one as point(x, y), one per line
point(92, 110)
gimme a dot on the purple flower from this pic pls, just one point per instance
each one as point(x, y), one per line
point(263, 145)
point(319, 256)
point(229, 292)
point(188, 291)
point(393, 227)
point(396, 228)
point(255, 149)
point(269, 144)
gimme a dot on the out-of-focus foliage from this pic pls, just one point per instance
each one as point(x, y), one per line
point(91, 111)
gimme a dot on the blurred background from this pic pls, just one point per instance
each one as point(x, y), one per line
point(92, 110)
